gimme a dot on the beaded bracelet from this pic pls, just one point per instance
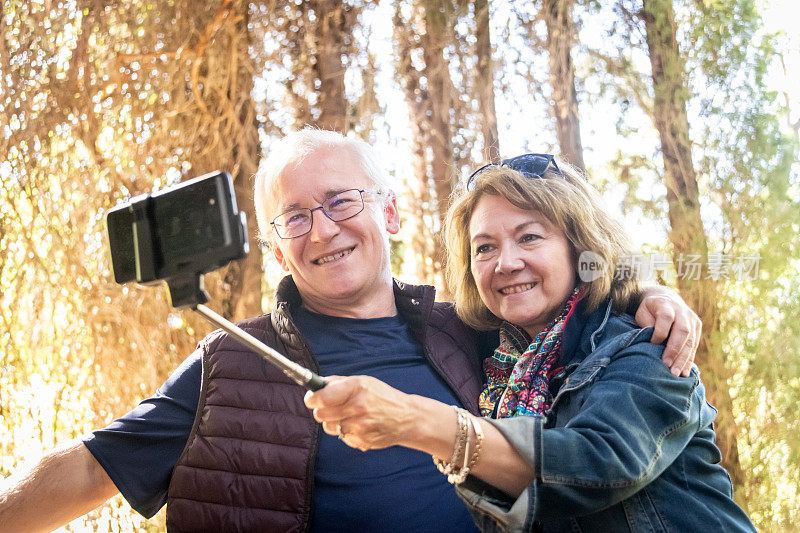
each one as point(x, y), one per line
point(462, 438)
point(463, 444)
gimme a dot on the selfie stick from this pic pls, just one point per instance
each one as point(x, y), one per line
point(187, 291)
point(299, 374)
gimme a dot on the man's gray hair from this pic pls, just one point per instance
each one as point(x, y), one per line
point(293, 149)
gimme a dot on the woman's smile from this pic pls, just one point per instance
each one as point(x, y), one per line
point(516, 289)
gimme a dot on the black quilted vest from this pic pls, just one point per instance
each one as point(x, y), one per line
point(248, 464)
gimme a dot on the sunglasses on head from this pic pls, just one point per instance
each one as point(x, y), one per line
point(529, 165)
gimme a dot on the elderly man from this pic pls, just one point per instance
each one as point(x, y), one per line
point(227, 442)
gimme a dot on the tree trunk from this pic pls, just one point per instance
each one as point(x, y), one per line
point(564, 101)
point(687, 234)
point(440, 89)
point(245, 276)
point(333, 27)
point(428, 93)
point(318, 35)
point(484, 82)
point(422, 237)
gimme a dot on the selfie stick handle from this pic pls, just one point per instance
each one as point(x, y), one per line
point(299, 374)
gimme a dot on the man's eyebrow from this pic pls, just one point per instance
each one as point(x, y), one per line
point(287, 208)
point(328, 194)
point(334, 192)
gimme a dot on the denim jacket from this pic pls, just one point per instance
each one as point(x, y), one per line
point(625, 445)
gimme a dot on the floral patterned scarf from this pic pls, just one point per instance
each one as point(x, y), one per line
point(518, 378)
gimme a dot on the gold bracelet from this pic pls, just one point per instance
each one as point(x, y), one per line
point(462, 437)
point(476, 454)
point(460, 474)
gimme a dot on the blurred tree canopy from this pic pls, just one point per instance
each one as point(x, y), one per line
point(100, 101)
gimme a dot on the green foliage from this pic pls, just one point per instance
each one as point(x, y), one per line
point(746, 159)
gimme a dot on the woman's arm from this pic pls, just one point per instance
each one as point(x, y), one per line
point(635, 420)
point(369, 414)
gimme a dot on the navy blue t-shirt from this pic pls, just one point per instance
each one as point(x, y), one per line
point(395, 489)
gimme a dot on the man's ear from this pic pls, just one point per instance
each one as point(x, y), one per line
point(278, 253)
point(391, 213)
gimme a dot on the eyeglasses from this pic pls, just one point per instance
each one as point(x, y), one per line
point(529, 165)
point(339, 207)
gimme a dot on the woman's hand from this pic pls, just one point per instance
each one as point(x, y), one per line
point(367, 414)
point(364, 412)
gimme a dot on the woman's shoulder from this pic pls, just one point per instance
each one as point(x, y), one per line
point(617, 334)
point(624, 326)
point(622, 349)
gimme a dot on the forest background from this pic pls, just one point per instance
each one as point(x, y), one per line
point(683, 113)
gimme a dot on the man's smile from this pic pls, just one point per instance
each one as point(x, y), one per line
point(333, 256)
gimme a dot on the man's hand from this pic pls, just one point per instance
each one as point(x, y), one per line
point(674, 321)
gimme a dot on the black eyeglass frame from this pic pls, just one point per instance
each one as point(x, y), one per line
point(325, 211)
point(521, 164)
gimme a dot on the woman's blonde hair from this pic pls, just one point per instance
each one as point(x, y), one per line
point(571, 205)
